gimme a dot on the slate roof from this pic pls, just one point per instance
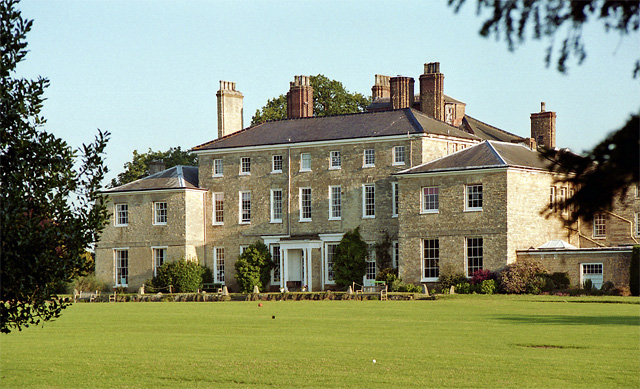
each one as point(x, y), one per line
point(177, 177)
point(485, 155)
point(385, 102)
point(487, 131)
point(340, 127)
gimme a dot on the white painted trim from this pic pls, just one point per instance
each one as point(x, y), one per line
point(116, 194)
point(273, 171)
point(424, 211)
point(240, 221)
point(302, 219)
point(215, 264)
point(331, 217)
point(115, 266)
point(394, 193)
point(310, 161)
point(213, 208)
point(364, 216)
point(271, 205)
point(115, 215)
point(155, 215)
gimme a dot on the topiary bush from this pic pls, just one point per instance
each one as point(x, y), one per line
point(523, 276)
point(254, 268)
point(183, 275)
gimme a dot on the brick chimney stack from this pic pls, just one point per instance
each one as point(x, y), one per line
point(543, 127)
point(229, 109)
point(432, 91)
point(401, 90)
point(300, 98)
point(381, 88)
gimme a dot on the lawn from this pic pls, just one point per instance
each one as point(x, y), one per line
point(458, 341)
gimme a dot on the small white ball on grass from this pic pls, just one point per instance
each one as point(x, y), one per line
point(374, 361)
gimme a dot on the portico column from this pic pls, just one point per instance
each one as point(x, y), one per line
point(284, 274)
point(309, 269)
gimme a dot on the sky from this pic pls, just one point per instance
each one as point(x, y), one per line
point(148, 71)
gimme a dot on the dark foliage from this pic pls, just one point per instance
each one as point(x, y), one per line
point(349, 259)
point(139, 166)
point(524, 276)
point(634, 271)
point(254, 268)
point(50, 208)
point(184, 277)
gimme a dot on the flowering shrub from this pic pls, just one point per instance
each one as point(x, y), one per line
point(481, 275)
point(524, 276)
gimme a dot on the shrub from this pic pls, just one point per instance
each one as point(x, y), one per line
point(89, 283)
point(488, 287)
point(481, 275)
point(254, 268)
point(450, 276)
point(349, 259)
point(523, 276)
point(587, 285)
point(185, 276)
point(388, 275)
point(607, 287)
point(463, 288)
point(399, 286)
point(561, 280)
point(634, 271)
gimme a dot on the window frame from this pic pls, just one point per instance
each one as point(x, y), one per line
point(117, 266)
point(158, 213)
point(329, 276)
point(369, 153)
point(427, 262)
point(217, 212)
point(478, 258)
point(121, 212)
point(241, 219)
point(395, 199)
point(335, 160)
point(274, 161)
point(273, 208)
point(434, 198)
point(275, 272)
point(217, 163)
point(599, 226)
point(396, 153)
point(552, 198)
point(335, 202)
point(591, 265)
point(245, 166)
point(218, 259)
point(154, 257)
point(467, 198)
point(302, 161)
point(365, 214)
point(304, 216)
point(371, 262)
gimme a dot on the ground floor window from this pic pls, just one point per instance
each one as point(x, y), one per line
point(371, 263)
point(474, 255)
point(592, 272)
point(275, 257)
point(218, 264)
point(430, 259)
point(159, 258)
point(331, 251)
point(395, 251)
point(122, 267)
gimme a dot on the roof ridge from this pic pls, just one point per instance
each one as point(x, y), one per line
point(180, 175)
point(494, 127)
point(497, 154)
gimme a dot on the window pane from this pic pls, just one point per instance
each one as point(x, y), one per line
point(430, 199)
point(122, 267)
point(398, 155)
point(122, 214)
point(160, 213)
point(246, 207)
point(331, 250)
point(474, 196)
point(336, 161)
point(369, 157)
point(371, 262)
point(275, 257)
point(219, 265)
point(474, 255)
point(431, 258)
point(245, 165)
point(305, 203)
point(369, 200)
point(217, 167)
point(336, 202)
point(305, 161)
point(218, 208)
point(276, 213)
point(277, 163)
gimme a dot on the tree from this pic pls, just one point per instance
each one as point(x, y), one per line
point(517, 19)
point(254, 267)
point(184, 276)
point(139, 166)
point(603, 175)
point(329, 98)
point(350, 259)
point(49, 211)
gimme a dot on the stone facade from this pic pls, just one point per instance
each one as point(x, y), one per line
point(182, 236)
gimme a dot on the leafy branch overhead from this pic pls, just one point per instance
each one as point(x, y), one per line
point(517, 20)
point(329, 98)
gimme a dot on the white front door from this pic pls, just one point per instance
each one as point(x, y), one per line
point(294, 265)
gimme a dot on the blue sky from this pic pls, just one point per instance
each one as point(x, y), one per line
point(148, 71)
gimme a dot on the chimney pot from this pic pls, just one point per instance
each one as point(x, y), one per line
point(542, 106)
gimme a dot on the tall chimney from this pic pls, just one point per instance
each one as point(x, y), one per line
point(401, 90)
point(229, 109)
point(156, 166)
point(432, 91)
point(543, 127)
point(381, 88)
point(300, 98)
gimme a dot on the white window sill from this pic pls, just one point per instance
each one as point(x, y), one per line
point(398, 164)
point(217, 175)
point(599, 237)
point(335, 218)
point(244, 174)
point(396, 215)
point(335, 168)
point(304, 170)
point(304, 220)
point(159, 224)
point(121, 225)
point(369, 217)
point(276, 172)
point(473, 210)
point(217, 224)
point(368, 166)
point(433, 279)
point(249, 222)
point(434, 211)
point(276, 221)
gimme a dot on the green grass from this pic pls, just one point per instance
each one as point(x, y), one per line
point(458, 341)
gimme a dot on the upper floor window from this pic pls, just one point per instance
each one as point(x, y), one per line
point(218, 208)
point(217, 168)
point(160, 213)
point(368, 201)
point(305, 162)
point(305, 204)
point(276, 205)
point(552, 198)
point(394, 199)
point(276, 164)
point(245, 165)
point(369, 158)
point(474, 197)
point(599, 226)
point(430, 199)
point(637, 223)
point(335, 202)
point(335, 160)
point(398, 155)
point(122, 214)
point(245, 207)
